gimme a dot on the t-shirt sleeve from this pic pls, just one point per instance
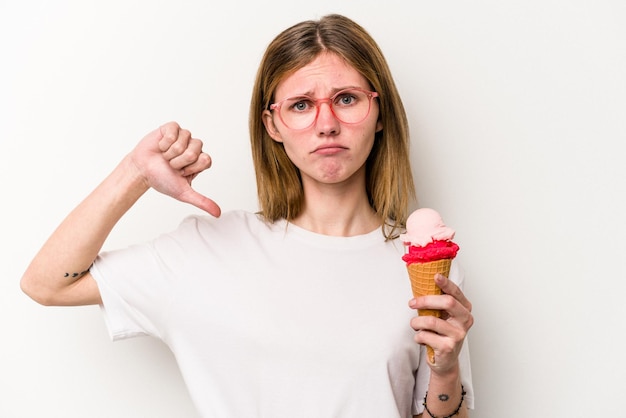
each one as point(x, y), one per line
point(423, 372)
point(133, 290)
point(136, 283)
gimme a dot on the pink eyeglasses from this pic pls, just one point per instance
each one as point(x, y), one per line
point(349, 106)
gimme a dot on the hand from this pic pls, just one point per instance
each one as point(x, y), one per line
point(168, 158)
point(446, 334)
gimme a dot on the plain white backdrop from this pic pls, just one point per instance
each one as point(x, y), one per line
point(517, 114)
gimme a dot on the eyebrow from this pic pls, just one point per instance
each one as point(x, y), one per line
point(334, 91)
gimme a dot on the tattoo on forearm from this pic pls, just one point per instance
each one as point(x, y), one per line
point(443, 397)
point(76, 275)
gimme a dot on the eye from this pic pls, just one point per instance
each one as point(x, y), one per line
point(300, 104)
point(346, 99)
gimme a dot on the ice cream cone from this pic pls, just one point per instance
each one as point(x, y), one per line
point(422, 277)
point(430, 251)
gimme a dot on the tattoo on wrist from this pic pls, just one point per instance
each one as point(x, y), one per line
point(441, 398)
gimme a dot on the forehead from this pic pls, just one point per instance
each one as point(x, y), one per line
point(324, 75)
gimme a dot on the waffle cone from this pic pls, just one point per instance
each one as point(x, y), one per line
point(422, 277)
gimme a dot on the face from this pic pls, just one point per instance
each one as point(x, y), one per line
point(328, 152)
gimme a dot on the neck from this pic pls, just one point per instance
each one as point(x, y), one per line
point(337, 210)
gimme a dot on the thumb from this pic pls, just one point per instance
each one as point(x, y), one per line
point(201, 202)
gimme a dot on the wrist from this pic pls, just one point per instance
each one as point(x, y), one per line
point(445, 395)
point(449, 375)
point(130, 175)
point(443, 399)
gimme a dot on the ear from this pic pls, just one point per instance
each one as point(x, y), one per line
point(270, 127)
point(379, 125)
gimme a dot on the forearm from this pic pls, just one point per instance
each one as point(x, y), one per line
point(68, 253)
point(445, 395)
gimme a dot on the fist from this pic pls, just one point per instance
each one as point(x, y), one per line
point(169, 158)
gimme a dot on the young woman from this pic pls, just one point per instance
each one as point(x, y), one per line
point(299, 309)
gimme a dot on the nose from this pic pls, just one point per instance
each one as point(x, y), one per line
point(326, 123)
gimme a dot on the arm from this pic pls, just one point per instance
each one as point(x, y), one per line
point(446, 336)
point(167, 160)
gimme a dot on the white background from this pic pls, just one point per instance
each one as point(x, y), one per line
point(517, 114)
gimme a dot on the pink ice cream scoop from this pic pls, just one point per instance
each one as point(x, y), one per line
point(428, 237)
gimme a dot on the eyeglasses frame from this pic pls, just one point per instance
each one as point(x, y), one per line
point(317, 102)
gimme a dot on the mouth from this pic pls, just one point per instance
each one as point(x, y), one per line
point(329, 149)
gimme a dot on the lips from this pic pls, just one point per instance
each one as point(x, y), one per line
point(329, 149)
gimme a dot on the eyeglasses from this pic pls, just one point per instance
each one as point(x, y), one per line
point(349, 106)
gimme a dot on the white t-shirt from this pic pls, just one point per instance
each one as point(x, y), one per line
point(271, 320)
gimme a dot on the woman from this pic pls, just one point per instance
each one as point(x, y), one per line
point(301, 308)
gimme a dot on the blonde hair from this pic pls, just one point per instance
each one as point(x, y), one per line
point(389, 181)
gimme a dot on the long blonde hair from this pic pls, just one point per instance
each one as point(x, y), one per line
point(389, 181)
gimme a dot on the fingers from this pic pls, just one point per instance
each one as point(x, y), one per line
point(180, 159)
point(449, 288)
point(435, 327)
point(183, 152)
point(452, 310)
point(453, 302)
point(201, 202)
point(192, 160)
point(446, 346)
point(445, 334)
point(173, 139)
point(176, 142)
